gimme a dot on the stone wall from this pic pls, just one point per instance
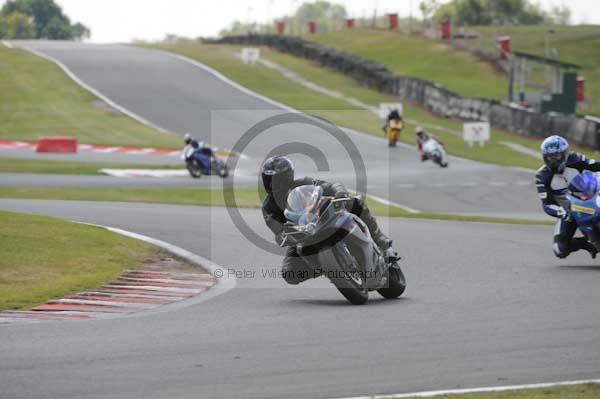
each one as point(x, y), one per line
point(429, 95)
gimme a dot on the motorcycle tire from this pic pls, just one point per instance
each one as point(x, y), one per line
point(224, 171)
point(194, 170)
point(396, 284)
point(350, 288)
point(354, 295)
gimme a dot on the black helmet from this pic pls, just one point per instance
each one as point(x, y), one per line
point(187, 139)
point(277, 175)
point(394, 115)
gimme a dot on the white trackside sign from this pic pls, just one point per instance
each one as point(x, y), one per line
point(476, 132)
point(386, 108)
point(250, 55)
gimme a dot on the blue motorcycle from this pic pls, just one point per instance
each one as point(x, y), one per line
point(202, 161)
point(585, 206)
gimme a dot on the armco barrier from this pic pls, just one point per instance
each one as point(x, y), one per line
point(429, 95)
point(56, 144)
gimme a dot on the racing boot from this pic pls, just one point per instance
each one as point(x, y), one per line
point(365, 215)
point(582, 243)
point(382, 241)
point(588, 246)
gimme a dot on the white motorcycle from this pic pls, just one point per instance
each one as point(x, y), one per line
point(436, 152)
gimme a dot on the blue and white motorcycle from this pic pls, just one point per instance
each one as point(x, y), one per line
point(585, 206)
point(202, 161)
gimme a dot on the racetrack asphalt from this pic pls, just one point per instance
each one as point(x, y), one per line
point(183, 97)
point(486, 305)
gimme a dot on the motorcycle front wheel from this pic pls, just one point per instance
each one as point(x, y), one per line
point(396, 284)
point(349, 281)
point(194, 170)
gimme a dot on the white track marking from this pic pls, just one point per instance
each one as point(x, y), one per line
point(157, 173)
point(103, 303)
point(522, 149)
point(468, 184)
point(429, 394)
point(117, 295)
point(94, 91)
point(198, 283)
point(521, 169)
point(391, 203)
point(151, 287)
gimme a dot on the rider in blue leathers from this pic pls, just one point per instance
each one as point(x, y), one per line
point(552, 180)
point(203, 153)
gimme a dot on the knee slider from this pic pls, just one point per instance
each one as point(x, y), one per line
point(561, 247)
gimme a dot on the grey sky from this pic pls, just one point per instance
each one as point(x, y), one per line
point(124, 20)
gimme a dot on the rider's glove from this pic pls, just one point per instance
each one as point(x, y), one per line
point(562, 213)
point(391, 255)
point(279, 238)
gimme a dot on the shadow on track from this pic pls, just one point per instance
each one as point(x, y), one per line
point(344, 303)
point(580, 267)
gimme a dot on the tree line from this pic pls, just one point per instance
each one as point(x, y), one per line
point(330, 16)
point(38, 19)
point(494, 12)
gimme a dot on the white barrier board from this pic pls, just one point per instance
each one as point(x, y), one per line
point(386, 108)
point(476, 132)
point(250, 55)
point(134, 173)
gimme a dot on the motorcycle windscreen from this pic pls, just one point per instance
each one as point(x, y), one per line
point(302, 203)
point(584, 186)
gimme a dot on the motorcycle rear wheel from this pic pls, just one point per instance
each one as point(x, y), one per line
point(224, 172)
point(396, 284)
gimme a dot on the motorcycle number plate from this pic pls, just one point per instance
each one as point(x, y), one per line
point(583, 209)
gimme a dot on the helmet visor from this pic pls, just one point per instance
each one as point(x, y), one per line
point(554, 160)
point(276, 182)
point(267, 179)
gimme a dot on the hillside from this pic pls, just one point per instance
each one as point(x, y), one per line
point(464, 73)
point(39, 99)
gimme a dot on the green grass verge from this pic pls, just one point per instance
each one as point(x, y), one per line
point(421, 57)
point(429, 59)
point(244, 198)
point(17, 165)
point(39, 99)
point(271, 84)
point(45, 258)
point(581, 391)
